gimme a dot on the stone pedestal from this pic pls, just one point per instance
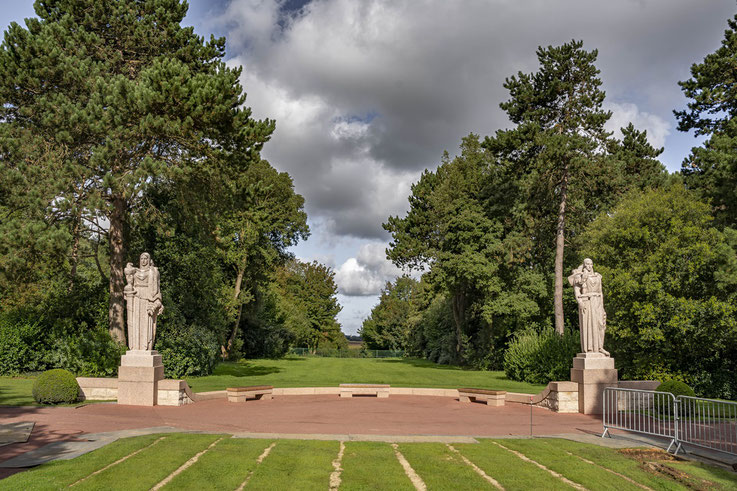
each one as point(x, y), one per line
point(593, 372)
point(138, 378)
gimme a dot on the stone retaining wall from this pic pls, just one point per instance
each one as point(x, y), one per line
point(170, 393)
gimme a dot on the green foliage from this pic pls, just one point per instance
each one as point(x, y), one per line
point(56, 386)
point(712, 169)
point(187, 350)
point(21, 347)
point(541, 357)
point(670, 289)
point(307, 304)
point(676, 387)
point(388, 326)
point(90, 353)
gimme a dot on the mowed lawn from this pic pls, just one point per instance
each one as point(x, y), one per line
point(294, 371)
point(201, 461)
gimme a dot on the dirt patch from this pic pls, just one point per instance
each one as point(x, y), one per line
point(656, 461)
point(648, 454)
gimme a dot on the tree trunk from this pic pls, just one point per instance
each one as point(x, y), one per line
point(459, 311)
point(117, 277)
point(75, 253)
point(225, 350)
point(559, 249)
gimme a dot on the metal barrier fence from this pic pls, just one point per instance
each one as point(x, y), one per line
point(350, 353)
point(706, 423)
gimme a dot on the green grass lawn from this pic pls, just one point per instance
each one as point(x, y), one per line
point(228, 463)
point(297, 371)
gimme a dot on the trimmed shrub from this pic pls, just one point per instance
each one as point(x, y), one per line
point(541, 357)
point(56, 386)
point(676, 387)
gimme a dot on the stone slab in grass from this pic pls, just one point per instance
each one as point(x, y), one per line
point(224, 466)
point(440, 468)
point(151, 466)
point(296, 465)
point(58, 474)
point(15, 432)
point(508, 469)
point(72, 449)
point(372, 465)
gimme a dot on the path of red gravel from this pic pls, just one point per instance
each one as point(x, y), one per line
point(324, 414)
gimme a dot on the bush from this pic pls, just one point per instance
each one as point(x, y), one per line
point(55, 386)
point(541, 357)
point(676, 387)
point(89, 352)
point(21, 347)
point(187, 351)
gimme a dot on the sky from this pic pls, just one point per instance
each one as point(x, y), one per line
point(368, 94)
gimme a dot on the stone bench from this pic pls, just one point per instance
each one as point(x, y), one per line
point(240, 394)
point(379, 390)
point(490, 397)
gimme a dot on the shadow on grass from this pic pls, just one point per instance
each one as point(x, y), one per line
point(244, 369)
point(416, 362)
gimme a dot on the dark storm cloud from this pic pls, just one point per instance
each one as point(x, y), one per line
point(430, 73)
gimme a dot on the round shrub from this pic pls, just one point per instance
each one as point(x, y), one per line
point(55, 386)
point(676, 387)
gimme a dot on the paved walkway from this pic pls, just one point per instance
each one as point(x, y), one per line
point(298, 415)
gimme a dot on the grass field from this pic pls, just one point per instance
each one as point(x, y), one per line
point(295, 371)
point(197, 461)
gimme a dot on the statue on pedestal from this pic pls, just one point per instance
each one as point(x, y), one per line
point(143, 297)
point(591, 316)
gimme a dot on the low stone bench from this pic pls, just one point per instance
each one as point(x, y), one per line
point(379, 390)
point(240, 394)
point(490, 397)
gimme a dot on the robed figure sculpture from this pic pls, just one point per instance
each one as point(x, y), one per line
point(591, 316)
point(143, 294)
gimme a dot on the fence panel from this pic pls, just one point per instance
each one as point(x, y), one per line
point(708, 423)
point(642, 411)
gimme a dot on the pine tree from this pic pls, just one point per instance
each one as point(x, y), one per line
point(557, 151)
point(100, 99)
point(712, 169)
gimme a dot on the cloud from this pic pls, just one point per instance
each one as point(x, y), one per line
point(367, 273)
point(366, 95)
point(657, 128)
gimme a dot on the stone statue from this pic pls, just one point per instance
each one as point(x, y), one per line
point(143, 295)
point(591, 316)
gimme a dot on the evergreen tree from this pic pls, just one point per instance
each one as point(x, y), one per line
point(711, 170)
point(556, 152)
point(100, 99)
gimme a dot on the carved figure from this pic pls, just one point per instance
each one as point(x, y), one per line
point(591, 315)
point(143, 295)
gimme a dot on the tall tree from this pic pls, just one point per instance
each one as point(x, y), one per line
point(124, 97)
point(558, 146)
point(712, 169)
point(265, 217)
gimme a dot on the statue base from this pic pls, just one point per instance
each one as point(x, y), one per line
point(593, 372)
point(138, 378)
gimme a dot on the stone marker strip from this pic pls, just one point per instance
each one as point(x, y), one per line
point(478, 470)
point(123, 459)
point(184, 466)
point(335, 475)
point(416, 480)
point(551, 471)
point(610, 470)
point(258, 462)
